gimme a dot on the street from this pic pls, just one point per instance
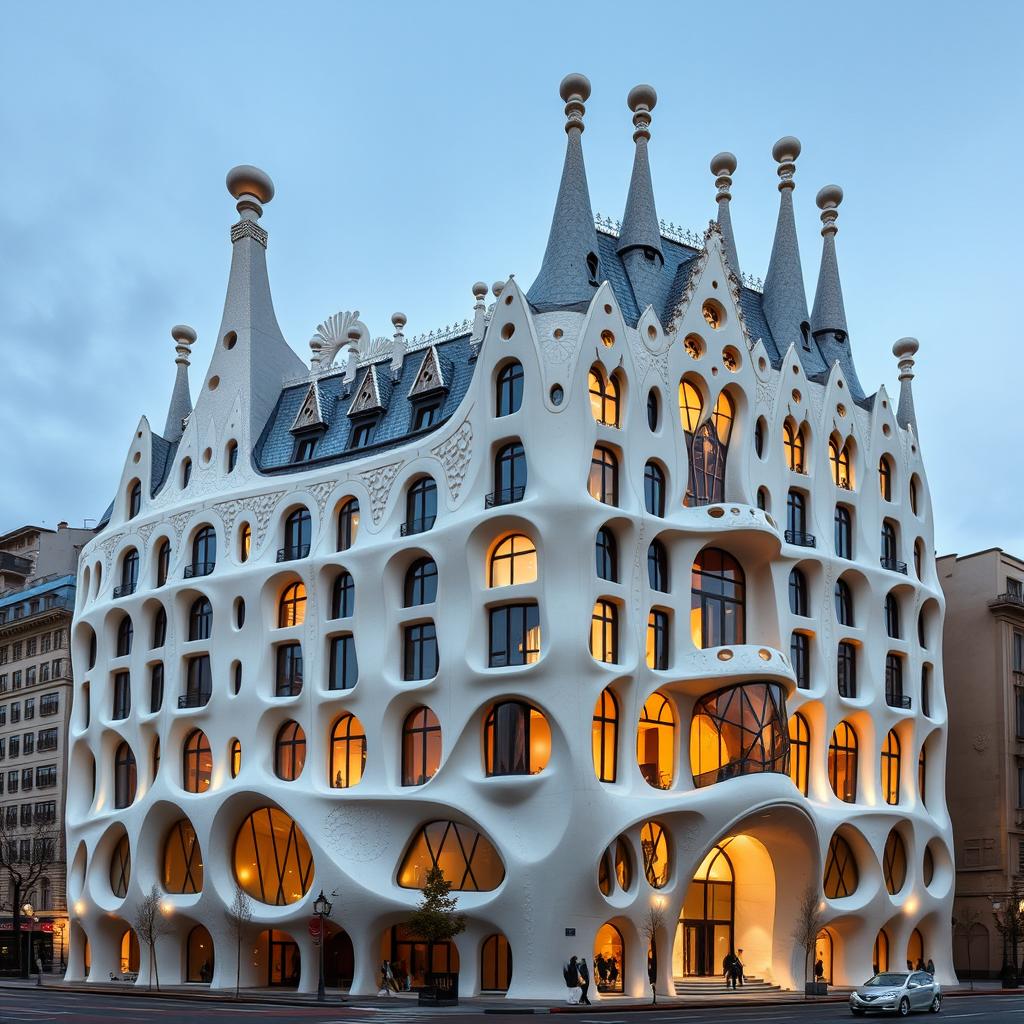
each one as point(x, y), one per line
point(32, 1006)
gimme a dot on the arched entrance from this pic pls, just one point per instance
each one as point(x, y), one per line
point(277, 959)
point(411, 958)
point(199, 956)
point(339, 959)
point(129, 952)
point(880, 953)
point(704, 935)
point(915, 951)
point(824, 952)
point(495, 964)
point(609, 959)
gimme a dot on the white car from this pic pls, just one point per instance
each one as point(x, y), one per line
point(897, 992)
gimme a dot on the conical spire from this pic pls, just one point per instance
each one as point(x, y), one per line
point(904, 351)
point(828, 315)
point(785, 302)
point(640, 221)
point(722, 167)
point(570, 271)
point(181, 399)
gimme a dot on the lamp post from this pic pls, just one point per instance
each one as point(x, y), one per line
point(29, 911)
point(59, 927)
point(322, 908)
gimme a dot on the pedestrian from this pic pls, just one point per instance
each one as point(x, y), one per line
point(613, 973)
point(584, 974)
point(730, 969)
point(819, 969)
point(571, 974)
point(739, 966)
point(601, 967)
point(931, 967)
point(386, 979)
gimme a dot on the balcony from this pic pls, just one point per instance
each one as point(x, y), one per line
point(414, 526)
point(804, 540)
point(506, 496)
point(291, 553)
point(14, 564)
point(898, 700)
point(1012, 600)
point(894, 565)
point(197, 569)
point(194, 699)
point(125, 590)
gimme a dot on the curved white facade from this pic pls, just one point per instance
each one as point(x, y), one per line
point(549, 828)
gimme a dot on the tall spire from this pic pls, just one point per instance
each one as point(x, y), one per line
point(785, 302)
point(570, 271)
point(904, 351)
point(722, 167)
point(181, 399)
point(828, 315)
point(640, 221)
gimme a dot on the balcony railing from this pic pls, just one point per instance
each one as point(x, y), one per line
point(804, 540)
point(506, 496)
point(894, 565)
point(414, 526)
point(290, 553)
point(15, 564)
point(1013, 598)
point(124, 590)
point(288, 688)
point(898, 700)
point(734, 769)
point(194, 699)
point(199, 569)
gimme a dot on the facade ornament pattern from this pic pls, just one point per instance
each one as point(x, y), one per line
point(321, 492)
point(378, 482)
point(358, 834)
point(228, 512)
point(248, 229)
point(178, 523)
point(262, 507)
point(455, 455)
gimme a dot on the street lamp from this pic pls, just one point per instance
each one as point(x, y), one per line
point(59, 927)
point(27, 910)
point(322, 908)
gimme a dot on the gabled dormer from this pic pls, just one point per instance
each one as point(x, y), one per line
point(369, 405)
point(430, 388)
point(309, 426)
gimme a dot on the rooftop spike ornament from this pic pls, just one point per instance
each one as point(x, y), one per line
point(181, 399)
point(904, 350)
point(722, 167)
point(829, 314)
point(640, 221)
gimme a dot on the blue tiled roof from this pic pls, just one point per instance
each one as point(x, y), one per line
point(63, 583)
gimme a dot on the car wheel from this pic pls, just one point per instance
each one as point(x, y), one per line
point(904, 1008)
point(936, 1005)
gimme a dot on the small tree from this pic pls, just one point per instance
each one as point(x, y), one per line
point(1009, 920)
point(238, 915)
point(435, 919)
point(808, 924)
point(966, 921)
point(43, 850)
point(150, 925)
point(653, 923)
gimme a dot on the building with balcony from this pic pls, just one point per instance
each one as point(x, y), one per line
point(38, 569)
point(617, 596)
point(984, 657)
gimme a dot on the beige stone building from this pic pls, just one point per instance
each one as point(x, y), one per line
point(984, 670)
point(37, 598)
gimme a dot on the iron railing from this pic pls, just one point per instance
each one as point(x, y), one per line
point(199, 569)
point(898, 700)
point(414, 526)
point(804, 540)
point(194, 699)
point(505, 496)
point(894, 565)
point(292, 552)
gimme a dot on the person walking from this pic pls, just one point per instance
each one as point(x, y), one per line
point(584, 973)
point(601, 968)
point(613, 973)
point(572, 980)
point(819, 969)
point(730, 968)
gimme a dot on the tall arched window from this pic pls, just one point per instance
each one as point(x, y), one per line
point(606, 553)
point(603, 481)
point(508, 389)
point(125, 776)
point(348, 752)
point(841, 877)
point(121, 867)
point(793, 445)
point(922, 773)
point(469, 860)
point(652, 409)
point(843, 532)
point(717, 601)
point(291, 608)
point(839, 460)
point(129, 573)
point(798, 592)
point(421, 746)
point(891, 768)
point(654, 489)
point(513, 561)
point(889, 547)
point(348, 523)
point(163, 562)
point(844, 603)
point(842, 763)
point(420, 506)
point(846, 669)
point(658, 631)
point(657, 567)
point(892, 616)
point(604, 632)
point(204, 552)
point(796, 520)
point(244, 542)
point(343, 596)
point(200, 619)
point(183, 859)
point(656, 854)
point(134, 499)
point(656, 741)
point(495, 964)
point(235, 758)
point(759, 429)
point(125, 635)
point(196, 763)
point(509, 474)
point(298, 535)
point(707, 445)
point(799, 751)
point(894, 682)
point(420, 583)
point(517, 739)
point(885, 477)
point(272, 859)
point(604, 397)
point(894, 863)
point(159, 628)
point(605, 736)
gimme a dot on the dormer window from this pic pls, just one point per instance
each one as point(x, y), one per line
point(305, 447)
point(426, 415)
point(363, 433)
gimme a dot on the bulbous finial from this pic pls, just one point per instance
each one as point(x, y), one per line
point(784, 153)
point(642, 100)
point(184, 337)
point(828, 200)
point(723, 163)
point(575, 91)
point(251, 187)
point(905, 348)
point(399, 320)
point(497, 288)
point(479, 291)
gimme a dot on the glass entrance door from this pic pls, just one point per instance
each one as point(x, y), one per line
point(705, 931)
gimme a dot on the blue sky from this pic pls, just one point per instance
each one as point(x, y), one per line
point(416, 148)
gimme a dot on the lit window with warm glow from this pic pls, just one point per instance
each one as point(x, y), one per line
point(691, 404)
point(793, 445)
point(657, 639)
point(842, 762)
point(197, 763)
point(513, 561)
point(885, 477)
point(799, 751)
point(467, 859)
point(291, 609)
point(605, 736)
point(421, 747)
point(235, 758)
point(272, 859)
point(348, 752)
point(656, 741)
point(839, 459)
point(891, 768)
point(603, 479)
point(656, 854)
point(183, 859)
point(840, 877)
point(604, 397)
point(717, 601)
point(604, 632)
point(517, 740)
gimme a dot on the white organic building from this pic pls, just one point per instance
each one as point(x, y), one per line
point(619, 597)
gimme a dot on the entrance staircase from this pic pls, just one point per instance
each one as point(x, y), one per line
point(716, 986)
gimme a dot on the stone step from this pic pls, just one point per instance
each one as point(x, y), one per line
point(717, 986)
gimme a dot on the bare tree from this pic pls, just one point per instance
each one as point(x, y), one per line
point(965, 922)
point(150, 924)
point(238, 915)
point(25, 857)
point(808, 924)
point(653, 923)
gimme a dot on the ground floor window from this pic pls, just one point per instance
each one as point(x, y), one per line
point(412, 959)
point(495, 964)
point(609, 959)
point(199, 956)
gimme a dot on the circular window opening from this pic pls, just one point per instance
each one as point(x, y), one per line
point(136, 457)
point(797, 397)
point(214, 383)
point(731, 358)
point(762, 364)
point(229, 340)
point(507, 331)
point(886, 429)
point(607, 308)
point(207, 455)
point(557, 394)
point(715, 512)
point(652, 331)
point(607, 339)
point(725, 655)
point(764, 655)
point(558, 333)
point(714, 314)
point(714, 284)
point(508, 300)
point(694, 346)
point(841, 409)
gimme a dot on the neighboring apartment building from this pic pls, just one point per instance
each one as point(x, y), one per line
point(37, 598)
point(984, 659)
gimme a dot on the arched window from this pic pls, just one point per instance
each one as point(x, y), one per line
point(291, 608)
point(156, 687)
point(894, 863)
point(186, 472)
point(344, 662)
point(606, 552)
point(121, 867)
point(517, 740)
point(913, 494)
point(298, 535)
point(800, 658)
point(232, 455)
point(846, 669)
point(199, 956)
point(610, 947)
point(604, 397)
point(926, 693)
point(918, 558)
point(892, 616)
point(348, 523)
point(844, 603)
point(889, 546)
point(420, 506)
point(289, 751)
point(793, 445)
point(134, 499)
point(759, 428)
point(125, 776)
point(762, 499)
point(885, 477)
point(654, 489)
point(691, 405)
point(656, 854)
point(798, 592)
point(159, 628)
point(420, 655)
point(603, 482)
point(509, 474)
point(604, 632)
point(796, 520)
point(843, 532)
point(421, 746)
point(348, 752)
point(235, 758)
point(495, 964)
point(183, 859)
point(658, 639)
point(421, 583)
point(891, 768)
point(799, 751)
point(156, 757)
point(513, 561)
point(343, 596)
point(717, 602)
point(880, 952)
point(125, 633)
point(707, 445)
point(204, 552)
point(272, 862)
point(509, 389)
point(129, 573)
point(839, 457)
point(652, 409)
point(655, 741)
point(196, 763)
point(605, 736)
point(657, 567)
point(244, 542)
point(922, 773)
point(163, 562)
point(841, 877)
point(842, 762)
point(469, 861)
point(200, 619)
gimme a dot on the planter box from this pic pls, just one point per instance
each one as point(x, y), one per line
point(815, 988)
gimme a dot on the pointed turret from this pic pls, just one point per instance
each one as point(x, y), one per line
point(785, 301)
point(181, 398)
point(570, 271)
point(828, 315)
point(640, 221)
point(904, 351)
point(722, 167)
